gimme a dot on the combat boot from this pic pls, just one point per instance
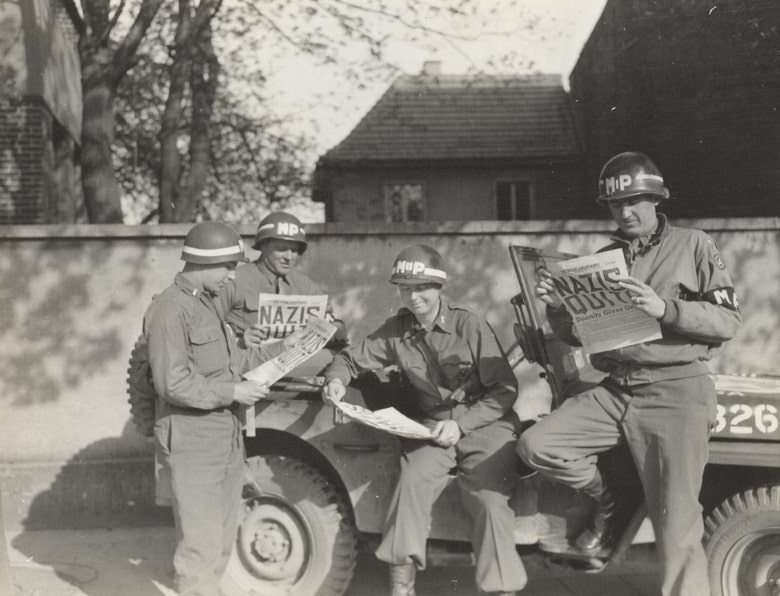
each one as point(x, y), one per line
point(402, 579)
point(596, 534)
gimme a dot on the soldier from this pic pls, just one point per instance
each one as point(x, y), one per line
point(195, 369)
point(281, 239)
point(658, 396)
point(436, 344)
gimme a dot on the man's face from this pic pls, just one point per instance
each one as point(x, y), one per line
point(217, 276)
point(635, 216)
point(280, 255)
point(421, 299)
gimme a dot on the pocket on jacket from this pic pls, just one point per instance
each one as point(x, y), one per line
point(209, 350)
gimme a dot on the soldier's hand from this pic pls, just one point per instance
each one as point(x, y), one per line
point(247, 392)
point(333, 391)
point(644, 297)
point(545, 289)
point(289, 341)
point(253, 337)
point(446, 433)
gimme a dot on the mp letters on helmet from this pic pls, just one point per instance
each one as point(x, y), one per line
point(613, 184)
point(285, 228)
point(418, 268)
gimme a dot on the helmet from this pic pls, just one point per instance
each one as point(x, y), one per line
point(630, 174)
point(282, 226)
point(418, 265)
point(210, 243)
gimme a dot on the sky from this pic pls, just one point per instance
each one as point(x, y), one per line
point(316, 99)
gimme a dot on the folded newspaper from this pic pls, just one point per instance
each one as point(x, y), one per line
point(386, 419)
point(604, 314)
point(316, 334)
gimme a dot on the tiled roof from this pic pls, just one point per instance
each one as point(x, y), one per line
point(461, 117)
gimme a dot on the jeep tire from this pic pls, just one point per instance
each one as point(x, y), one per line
point(296, 538)
point(141, 389)
point(742, 538)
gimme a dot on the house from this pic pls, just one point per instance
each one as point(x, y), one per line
point(695, 85)
point(40, 112)
point(456, 148)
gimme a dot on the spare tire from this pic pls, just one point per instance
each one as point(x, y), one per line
point(140, 388)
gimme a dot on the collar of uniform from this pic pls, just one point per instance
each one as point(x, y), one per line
point(186, 285)
point(413, 326)
point(266, 272)
point(661, 230)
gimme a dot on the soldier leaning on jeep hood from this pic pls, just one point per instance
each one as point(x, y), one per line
point(657, 396)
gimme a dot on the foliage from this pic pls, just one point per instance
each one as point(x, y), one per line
point(261, 160)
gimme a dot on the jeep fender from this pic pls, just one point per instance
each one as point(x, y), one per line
point(362, 459)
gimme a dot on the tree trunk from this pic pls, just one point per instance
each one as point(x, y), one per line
point(102, 195)
point(170, 160)
point(204, 75)
point(103, 65)
point(193, 60)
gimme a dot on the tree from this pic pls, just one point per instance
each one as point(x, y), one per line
point(254, 164)
point(104, 64)
point(222, 151)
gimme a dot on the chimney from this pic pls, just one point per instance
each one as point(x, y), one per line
point(431, 68)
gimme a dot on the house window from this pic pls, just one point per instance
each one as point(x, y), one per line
point(404, 201)
point(513, 200)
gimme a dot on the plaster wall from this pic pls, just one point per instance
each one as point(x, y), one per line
point(73, 298)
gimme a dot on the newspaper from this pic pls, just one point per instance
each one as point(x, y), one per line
point(317, 333)
point(279, 315)
point(387, 419)
point(604, 315)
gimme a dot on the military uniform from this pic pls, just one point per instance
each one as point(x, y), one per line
point(657, 397)
point(238, 299)
point(195, 365)
point(435, 362)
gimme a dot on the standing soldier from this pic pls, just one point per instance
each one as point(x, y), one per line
point(195, 368)
point(657, 396)
point(281, 239)
point(437, 344)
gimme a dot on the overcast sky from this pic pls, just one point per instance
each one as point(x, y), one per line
point(318, 98)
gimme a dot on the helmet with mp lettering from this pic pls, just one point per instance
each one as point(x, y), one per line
point(282, 226)
point(211, 243)
point(630, 174)
point(418, 264)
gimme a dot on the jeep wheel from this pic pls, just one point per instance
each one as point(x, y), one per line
point(141, 389)
point(297, 538)
point(743, 544)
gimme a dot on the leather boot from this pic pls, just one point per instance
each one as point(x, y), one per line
point(596, 534)
point(402, 579)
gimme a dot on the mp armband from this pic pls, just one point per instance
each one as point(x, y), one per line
point(726, 297)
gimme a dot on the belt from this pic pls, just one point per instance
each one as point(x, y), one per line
point(199, 411)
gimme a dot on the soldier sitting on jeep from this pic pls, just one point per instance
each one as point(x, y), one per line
point(433, 341)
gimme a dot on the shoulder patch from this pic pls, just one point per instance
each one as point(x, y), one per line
point(716, 258)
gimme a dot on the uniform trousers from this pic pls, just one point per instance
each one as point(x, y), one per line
point(486, 474)
point(666, 425)
point(204, 455)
